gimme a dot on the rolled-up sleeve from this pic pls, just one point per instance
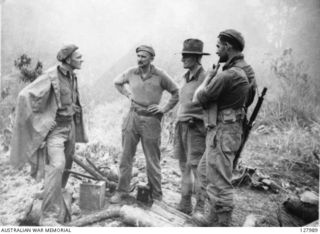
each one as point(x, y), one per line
point(122, 78)
point(213, 90)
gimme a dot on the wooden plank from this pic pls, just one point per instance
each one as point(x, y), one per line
point(171, 214)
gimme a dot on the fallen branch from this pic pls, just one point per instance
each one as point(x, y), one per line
point(111, 212)
point(159, 215)
point(95, 174)
point(94, 167)
point(80, 174)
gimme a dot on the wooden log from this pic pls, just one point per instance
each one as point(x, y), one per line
point(88, 169)
point(139, 217)
point(158, 215)
point(111, 212)
point(250, 221)
point(133, 216)
point(95, 168)
point(171, 214)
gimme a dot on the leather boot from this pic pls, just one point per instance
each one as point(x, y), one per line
point(199, 206)
point(206, 219)
point(185, 205)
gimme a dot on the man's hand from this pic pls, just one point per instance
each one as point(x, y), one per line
point(129, 96)
point(210, 74)
point(155, 109)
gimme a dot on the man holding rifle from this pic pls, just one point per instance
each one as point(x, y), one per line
point(225, 98)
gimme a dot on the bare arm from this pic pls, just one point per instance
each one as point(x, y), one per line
point(169, 85)
point(172, 102)
point(123, 90)
point(119, 82)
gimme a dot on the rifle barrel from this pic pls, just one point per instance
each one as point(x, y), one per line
point(248, 126)
point(257, 107)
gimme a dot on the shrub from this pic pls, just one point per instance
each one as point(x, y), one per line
point(23, 63)
point(299, 99)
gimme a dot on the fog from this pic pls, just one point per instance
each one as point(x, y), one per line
point(106, 30)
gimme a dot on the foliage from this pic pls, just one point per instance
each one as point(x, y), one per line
point(23, 63)
point(298, 101)
point(9, 95)
point(291, 121)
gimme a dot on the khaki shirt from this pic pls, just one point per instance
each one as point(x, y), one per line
point(68, 92)
point(149, 90)
point(229, 89)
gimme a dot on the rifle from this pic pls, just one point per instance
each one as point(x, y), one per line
point(247, 126)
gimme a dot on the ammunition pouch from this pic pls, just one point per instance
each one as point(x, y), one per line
point(231, 115)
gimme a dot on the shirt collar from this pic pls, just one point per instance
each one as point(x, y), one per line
point(66, 72)
point(152, 72)
point(195, 76)
point(233, 61)
point(138, 70)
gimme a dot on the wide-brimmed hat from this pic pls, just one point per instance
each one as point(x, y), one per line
point(66, 51)
point(193, 46)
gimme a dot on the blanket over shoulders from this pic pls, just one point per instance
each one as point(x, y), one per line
point(36, 109)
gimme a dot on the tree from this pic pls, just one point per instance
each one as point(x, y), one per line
point(23, 64)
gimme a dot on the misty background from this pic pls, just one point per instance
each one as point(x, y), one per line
point(282, 45)
point(108, 32)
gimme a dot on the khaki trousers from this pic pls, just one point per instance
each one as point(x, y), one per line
point(221, 145)
point(147, 129)
point(60, 150)
point(189, 146)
